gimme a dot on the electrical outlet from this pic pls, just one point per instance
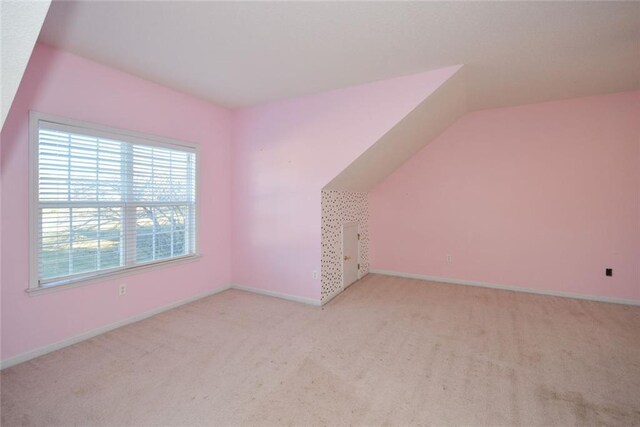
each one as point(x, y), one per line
point(314, 274)
point(449, 258)
point(122, 290)
point(608, 272)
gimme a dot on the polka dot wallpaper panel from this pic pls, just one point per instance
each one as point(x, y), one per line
point(338, 208)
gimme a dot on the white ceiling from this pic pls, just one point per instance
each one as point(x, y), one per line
point(430, 118)
point(239, 53)
point(20, 23)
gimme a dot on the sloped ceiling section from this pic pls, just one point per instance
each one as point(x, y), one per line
point(240, 54)
point(20, 24)
point(421, 126)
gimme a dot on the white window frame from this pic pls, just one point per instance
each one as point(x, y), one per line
point(99, 130)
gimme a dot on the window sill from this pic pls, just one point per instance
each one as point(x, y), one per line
point(84, 281)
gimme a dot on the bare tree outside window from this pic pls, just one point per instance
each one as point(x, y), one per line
point(105, 204)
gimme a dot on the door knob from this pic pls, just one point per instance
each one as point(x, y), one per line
point(347, 258)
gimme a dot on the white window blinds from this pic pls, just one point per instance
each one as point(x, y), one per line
point(109, 202)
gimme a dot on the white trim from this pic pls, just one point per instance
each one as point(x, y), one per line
point(289, 297)
point(120, 272)
point(197, 184)
point(109, 131)
point(102, 329)
point(35, 287)
point(33, 200)
point(562, 294)
point(344, 225)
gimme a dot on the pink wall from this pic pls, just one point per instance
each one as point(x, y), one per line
point(66, 85)
point(541, 196)
point(284, 153)
point(0, 246)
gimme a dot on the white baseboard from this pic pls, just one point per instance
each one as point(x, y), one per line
point(304, 300)
point(612, 300)
point(101, 330)
point(310, 301)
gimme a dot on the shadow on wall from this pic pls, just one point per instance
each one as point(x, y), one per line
point(338, 208)
point(346, 199)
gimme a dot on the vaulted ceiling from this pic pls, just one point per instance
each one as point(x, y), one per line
point(20, 24)
point(245, 53)
point(420, 126)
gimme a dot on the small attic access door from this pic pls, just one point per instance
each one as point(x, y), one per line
point(350, 253)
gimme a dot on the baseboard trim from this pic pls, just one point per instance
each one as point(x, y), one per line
point(288, 297)
point(102, 329)
point(587, 297)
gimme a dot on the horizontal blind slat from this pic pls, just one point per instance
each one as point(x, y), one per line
point(88, 186)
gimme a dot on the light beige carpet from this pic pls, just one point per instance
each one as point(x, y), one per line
point(388, 351)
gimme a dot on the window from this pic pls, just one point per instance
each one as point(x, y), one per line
point(106, 201)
